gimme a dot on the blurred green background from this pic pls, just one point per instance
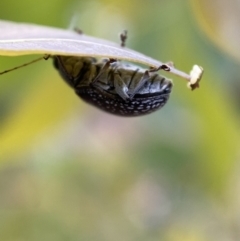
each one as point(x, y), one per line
point(71, 172)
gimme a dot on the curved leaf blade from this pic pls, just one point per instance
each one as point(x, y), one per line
point(22, 39)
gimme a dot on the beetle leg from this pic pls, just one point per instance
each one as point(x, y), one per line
point(166, 66)
point(46, 56)
point(100, 81)
point(103, 70)
point(123, 38)
point(140, 84)
point(120, 87)
point(78, 30)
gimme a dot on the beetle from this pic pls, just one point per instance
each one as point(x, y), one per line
point(115, 87)
point(109, 84)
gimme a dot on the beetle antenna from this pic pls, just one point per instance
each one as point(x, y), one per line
point(46, 57)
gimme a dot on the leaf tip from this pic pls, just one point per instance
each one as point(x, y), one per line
point(195, 77)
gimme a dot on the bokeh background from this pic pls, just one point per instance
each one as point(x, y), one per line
point(71, 172)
